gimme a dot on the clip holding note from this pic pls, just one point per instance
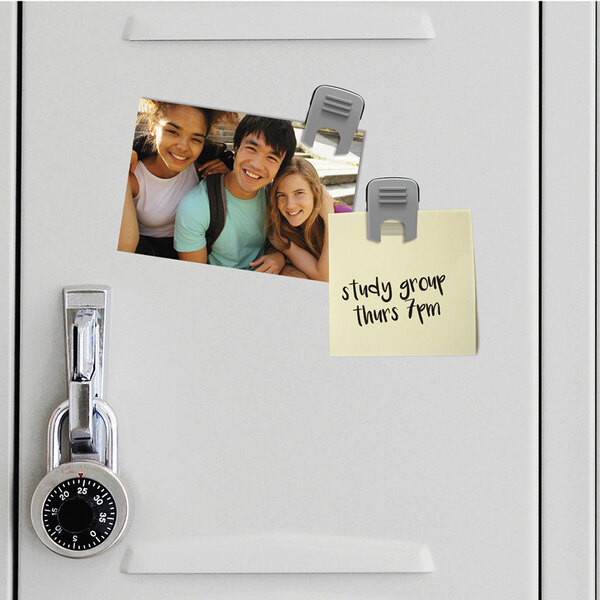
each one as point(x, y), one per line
point(337, 109)
point(392, 198)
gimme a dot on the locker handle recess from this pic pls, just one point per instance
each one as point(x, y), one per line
point(290, 21)
point(278, 553)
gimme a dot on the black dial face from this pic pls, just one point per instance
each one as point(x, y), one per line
point(79, 513)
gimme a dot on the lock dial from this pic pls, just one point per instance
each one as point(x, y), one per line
point(79, 509)
point(79, 513)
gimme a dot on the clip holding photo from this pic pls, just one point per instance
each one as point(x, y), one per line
point(392, 198)
point(334, 108)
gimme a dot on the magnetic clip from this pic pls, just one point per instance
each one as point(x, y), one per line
point(334, 108)
point(392, 198)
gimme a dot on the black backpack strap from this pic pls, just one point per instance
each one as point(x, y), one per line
point(215, 187)
point(267, 189)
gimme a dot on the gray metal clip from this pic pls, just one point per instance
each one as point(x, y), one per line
point(392, 198)
point(85, 336)
point(336, 109)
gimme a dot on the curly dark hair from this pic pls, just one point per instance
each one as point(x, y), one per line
point(150, 112)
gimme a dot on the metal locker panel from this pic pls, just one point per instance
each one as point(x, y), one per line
point(569, 303)
point(8, 125)
point(217, 435)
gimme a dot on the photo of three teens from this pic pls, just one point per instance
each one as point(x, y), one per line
point(230, 190)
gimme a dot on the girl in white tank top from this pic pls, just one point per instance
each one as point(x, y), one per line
point(158, 182)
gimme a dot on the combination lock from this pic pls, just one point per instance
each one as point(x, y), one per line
point(80, 508)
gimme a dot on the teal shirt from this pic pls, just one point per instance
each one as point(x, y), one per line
point(243, 237)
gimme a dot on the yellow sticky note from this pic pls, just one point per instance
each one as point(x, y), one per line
point(392, 298)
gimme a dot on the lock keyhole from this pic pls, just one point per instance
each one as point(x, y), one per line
point(75, 515)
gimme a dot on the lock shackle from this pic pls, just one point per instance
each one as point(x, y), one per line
point(58, 419)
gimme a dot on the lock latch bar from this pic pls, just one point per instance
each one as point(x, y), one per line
point(85, 339)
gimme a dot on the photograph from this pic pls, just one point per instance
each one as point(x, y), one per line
point(234, 190)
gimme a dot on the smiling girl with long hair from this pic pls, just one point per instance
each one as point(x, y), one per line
point(297, 218)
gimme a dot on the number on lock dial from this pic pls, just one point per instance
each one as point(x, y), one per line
point(79, 513)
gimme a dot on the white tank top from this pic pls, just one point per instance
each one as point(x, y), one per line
point(158, 199)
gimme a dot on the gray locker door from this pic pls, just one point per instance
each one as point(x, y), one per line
point(233, 418)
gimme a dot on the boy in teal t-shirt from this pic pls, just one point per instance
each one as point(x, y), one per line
point(262, 146)
point(243, 237)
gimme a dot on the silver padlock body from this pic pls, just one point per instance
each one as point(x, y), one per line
point(80, 509)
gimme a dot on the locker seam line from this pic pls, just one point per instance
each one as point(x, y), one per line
point(540, 294)
point(17, 305)
point(596, 301)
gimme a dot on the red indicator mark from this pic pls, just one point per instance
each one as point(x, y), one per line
point(80, 474)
